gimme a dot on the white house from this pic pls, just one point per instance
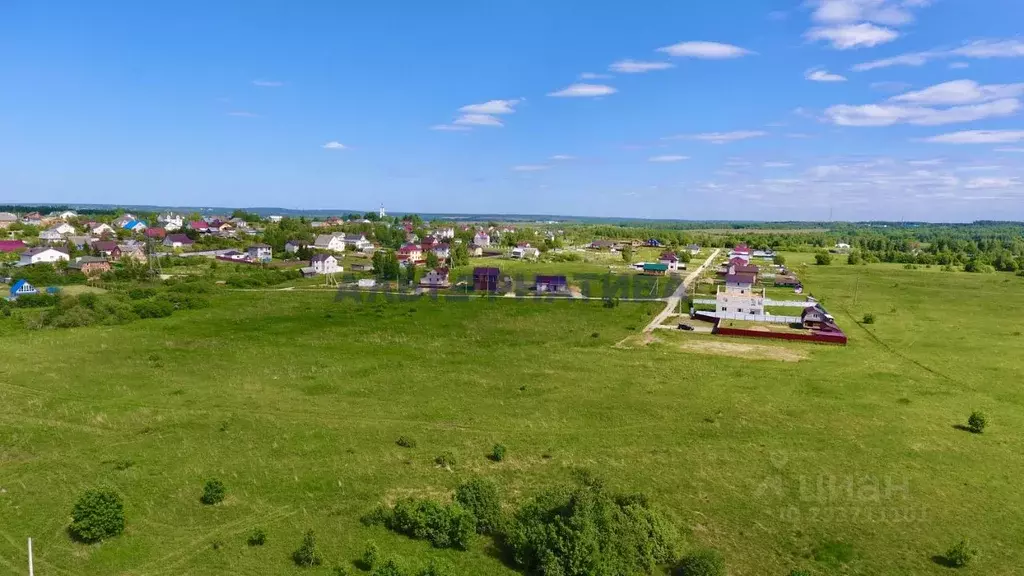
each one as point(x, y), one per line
point(671, 260)
point(172, 222)
point(6, 219)
point(42, 254)
point(738, 296)
point(324, 264)
point(135, 226)
point(525, 252)
point(99, 229)
point(50, 235)
point(442, 251)
point(260, 252)
point(436, 278)
point(331, 242)
point(65, 215)
point(293, 246)
point(445, 233)
point(122, 220)
point(57, 232)
point(842, 246)
point(693, 249)
point(366, 282)
point(357, 241)
point(482, 239)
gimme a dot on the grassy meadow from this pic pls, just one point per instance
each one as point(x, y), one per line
point(837, 460)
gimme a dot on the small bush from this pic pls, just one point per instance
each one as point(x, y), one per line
point(498, 453)
point(370, 557)
point(450, 526)
point(406, 442)
point(701, 563)
point(976, 422)
point(257, 537)
point(388, 568)
point(213, 492)
point(960, 554)
point(823, 258)
point(445, 460)
point(480, 497)
point(141, 293)
point(97, 515)
point(869, 318)
point(339, 571)
point(434, 569)
point(308, 554)
point(153, 308)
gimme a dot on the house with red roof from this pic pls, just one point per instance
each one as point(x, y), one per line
point(156, 233)
point(669, 259)
point(410, 252)
point(12, 246)
point(199, 226)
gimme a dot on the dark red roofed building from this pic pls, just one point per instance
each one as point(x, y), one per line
point(157, 233)
point(486, 279)
point(107, 248)
point(199, 226)
point(552, 284)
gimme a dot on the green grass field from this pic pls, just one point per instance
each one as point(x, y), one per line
point(844, 462)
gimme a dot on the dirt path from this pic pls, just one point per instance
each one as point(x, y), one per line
point(676, 296)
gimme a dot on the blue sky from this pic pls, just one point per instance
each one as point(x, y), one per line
point(769, 109)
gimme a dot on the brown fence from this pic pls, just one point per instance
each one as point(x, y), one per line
point(811, 336)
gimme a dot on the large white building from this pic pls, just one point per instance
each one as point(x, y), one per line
point(738, 296)
point(40, 255)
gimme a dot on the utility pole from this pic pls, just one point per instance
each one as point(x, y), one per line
point(31, 571)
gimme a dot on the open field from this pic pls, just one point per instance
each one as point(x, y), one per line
point(840, 460)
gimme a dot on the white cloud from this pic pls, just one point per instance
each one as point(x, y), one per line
point(638, 67)
point(889, 114)
point(705, 50)
point(243, 114)
point(563, 157)
point(978, 49)
point(961, 92)
point(929, 162)
point(595, 76)
point(776, 165)
point(888, 12)
point(450, 128)
point(850, 36)
point(530, 167)
point(267, 83)
point(979, 137)
point(478, 120)
point(334, 145)
point(991, 183)
point(720, 137)
point(668, 158)
point(958, 65)
point(582, 90)
point(1010, 149)
point(821, 75)
point(492, 107)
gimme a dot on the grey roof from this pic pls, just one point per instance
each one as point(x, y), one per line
point(323, 240)
point(320, 257)
point(7, 217)
point(259, 246)
point(41, 249)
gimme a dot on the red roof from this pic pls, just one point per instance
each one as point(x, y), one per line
point(740, 278)
point(155, 232)
point(198, 225)
point(409, 248)
point(12, 245)
point(737, 261)
point(741, 249)
point(669, 257)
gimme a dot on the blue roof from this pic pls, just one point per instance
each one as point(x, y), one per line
point(18, 285)
point(130, 224)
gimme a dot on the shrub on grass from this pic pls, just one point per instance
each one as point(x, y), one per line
point(701, 563)
point(339, 570)
point(370, 557)
point(445, 460)
point(498, 452)
point(308, 554)
point(480, 497)
point(213, 492)
point(823, 258)
point(406, 441)
point(960, 554)
point(257, 537)
point(450, 526)
point(153, 308)
point(141, 293)
point(97, 515)
point(388, 568)
point(976, 422)
point(599, 532)
point(869, 318)
point(434, 569)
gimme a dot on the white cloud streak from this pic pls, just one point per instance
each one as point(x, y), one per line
point(821, 75)
point(961, 92)
point(582, 90)
point(978, 49)
point(705, 50)
point(478, 120)
point(668, 158)
point(889, 114)
point(267, 83)
point(334, 145)
point(850, 36)
point(979, 137)
point(638, 67)
point(492, 107)
point(720, 137)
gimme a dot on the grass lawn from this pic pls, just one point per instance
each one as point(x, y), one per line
point(845, 461)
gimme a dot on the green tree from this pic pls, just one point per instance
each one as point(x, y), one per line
point(459, 254)
point(627, 254)
point(97, 515)
point(308, 553)
point(779, 259)
point(432, 261)
point(823, 258)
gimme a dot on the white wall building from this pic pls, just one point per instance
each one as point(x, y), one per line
point(40, 255)
point(738, 296)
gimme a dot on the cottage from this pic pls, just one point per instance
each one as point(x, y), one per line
point(482, 239)
point(693, 249)
point(137, 226)
point(260, 252)
point(475, 250)
point(429, 242)
point(602, 245)
point(362, 266)
point(90, 265)
point(816, 317)
point(738, 296)
point(178, 241)
point(446, 233)
point(485, 279)
point(12, 245)
point(525, 252)
point(741, 251)
point(332, 242)
point(78, 241)
point(324, 264)
point(156, 233)
point(653, 243)
point(32, 219)
point(99, 229)
point(132, 251)
point(199, 226)
point(436, 278)
point(171, 222)
point(787, 281)
point(51, 235)
point(43, 255)
point(293, 246)
point(357, 241)
point(442, 251)
point(410, 252)
point(556, 284)
point(120, 221)
point(65, 215)
point(366, 282)
point(658, 269)
point(669, 259)
point(6, 219)
point(21, 288)
point(107, 248)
